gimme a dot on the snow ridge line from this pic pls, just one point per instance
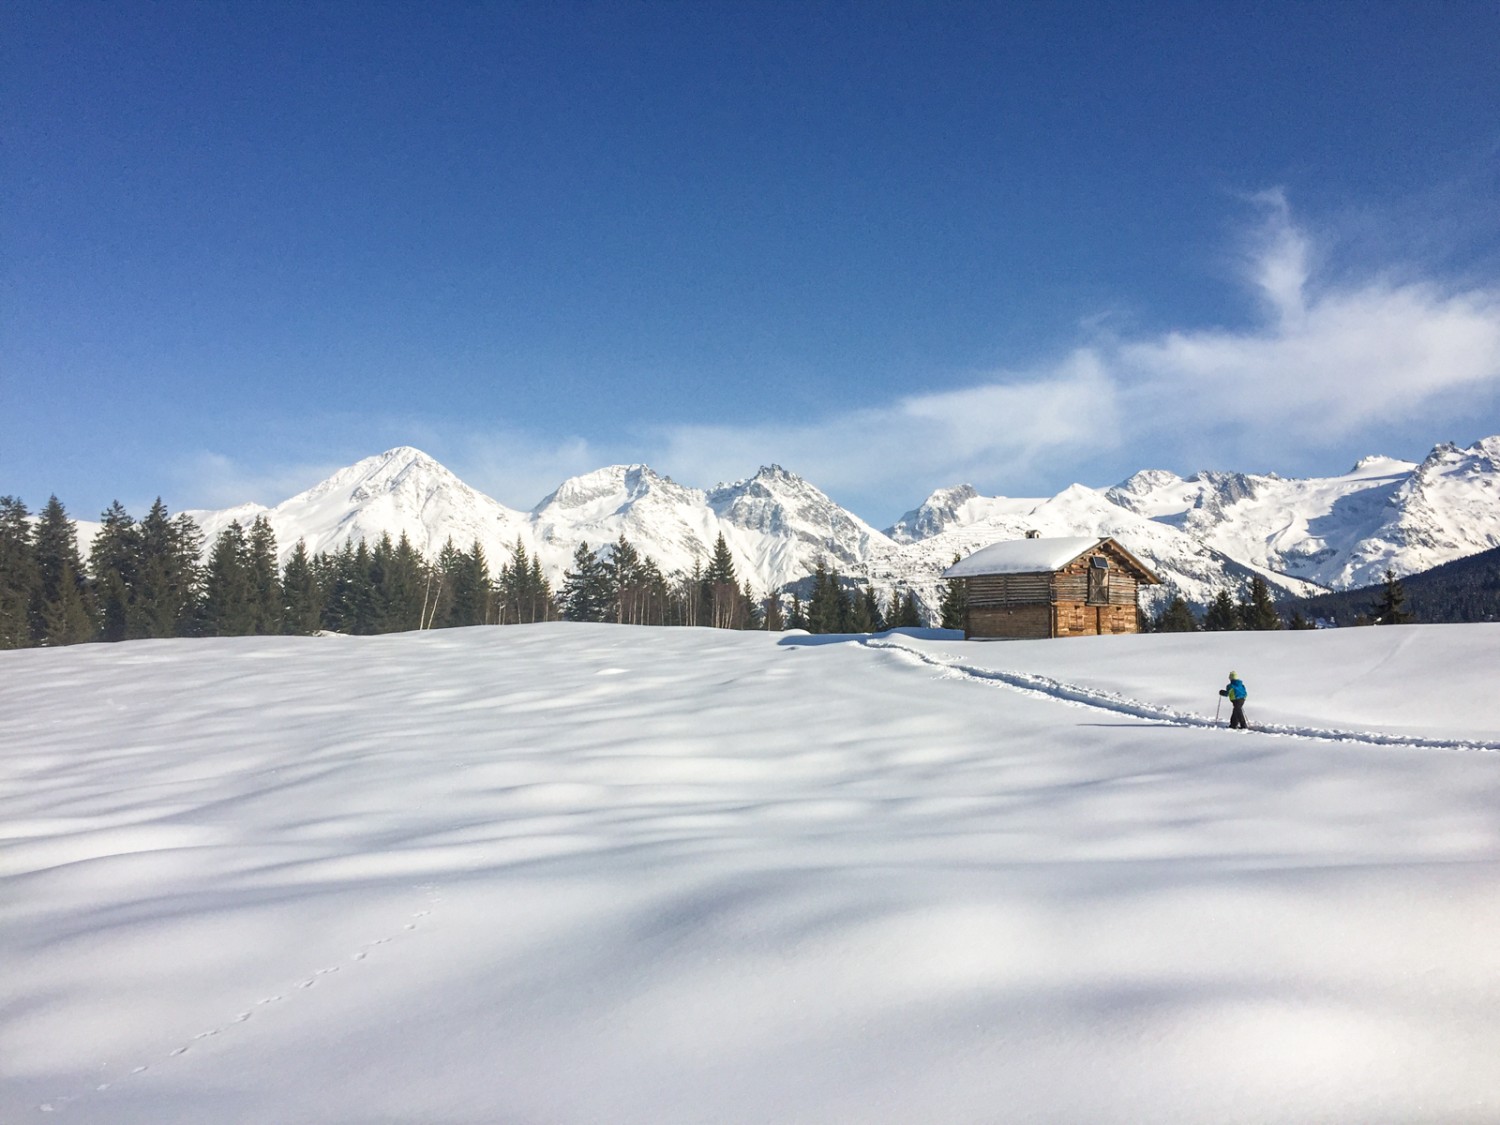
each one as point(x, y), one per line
point(1045, 687)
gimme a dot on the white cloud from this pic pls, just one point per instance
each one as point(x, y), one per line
point(976, 431)
point(1327, 362)
point(207, 479)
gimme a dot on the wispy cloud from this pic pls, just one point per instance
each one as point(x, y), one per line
point(209, 479)
point(1326, 362)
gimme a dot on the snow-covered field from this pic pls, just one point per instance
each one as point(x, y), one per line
point(574, 873)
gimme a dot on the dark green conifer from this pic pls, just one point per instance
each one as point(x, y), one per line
point(953, 610)
point(169, 584)
point(585, 590)
point(1391, 609)
point(61, 610)
point(19, 576)
point(263, 579)
point(1257, 611)
point(227, 606)
point(302, 601)
point(906, 614)
point(115, 563)
point(1221, 616)
point(1176, 617)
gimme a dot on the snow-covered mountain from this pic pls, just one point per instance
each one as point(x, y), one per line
point(1200, 532)
point(400, 491)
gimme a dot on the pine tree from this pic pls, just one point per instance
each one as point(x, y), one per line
point(470, 582)
point(169, 585)
point(263, 580)
point(61, 613)
point(953, 610)
point(796, 618)
point(721, 589)
point(227, 606)
point(1391, 609)
point(1176, 618)
point(115, 563)
point(859, 613)
point(302, 601)
point(1257, 611)
point(827, 611)
point(398, 580)
point(19, 576)
point(906, 615)
point(1221, 616)
point(1299, 621)
point(585, 590)
point(773, 618)
point(872, 612)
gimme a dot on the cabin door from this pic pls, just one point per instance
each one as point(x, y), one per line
point(1098, 582)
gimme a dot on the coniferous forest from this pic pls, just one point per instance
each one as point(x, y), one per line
point(153, 578)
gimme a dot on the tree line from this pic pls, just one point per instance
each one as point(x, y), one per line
point(1254, 609)
point(152, 578)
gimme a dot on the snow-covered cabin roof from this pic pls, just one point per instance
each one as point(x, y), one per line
point(1032, 556)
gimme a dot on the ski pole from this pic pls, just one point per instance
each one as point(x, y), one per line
point(1219, 708)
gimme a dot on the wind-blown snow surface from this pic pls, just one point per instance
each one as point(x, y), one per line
point(571, 873)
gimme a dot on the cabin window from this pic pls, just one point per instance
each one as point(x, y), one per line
point(1098, 581)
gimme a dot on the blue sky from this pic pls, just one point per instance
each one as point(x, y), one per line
point(892, 247)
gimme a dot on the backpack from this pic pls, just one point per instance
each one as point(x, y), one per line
point(1237, 690)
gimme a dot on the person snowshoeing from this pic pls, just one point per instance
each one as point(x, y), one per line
point(1235, 692)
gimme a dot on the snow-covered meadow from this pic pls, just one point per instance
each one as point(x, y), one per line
point(577, 873)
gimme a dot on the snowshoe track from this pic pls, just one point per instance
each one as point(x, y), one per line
point(1045, 687)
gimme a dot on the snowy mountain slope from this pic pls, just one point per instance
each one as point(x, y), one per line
point(1199, 533)
point(400, 491)
point(1339, 531)
point(1187, 565)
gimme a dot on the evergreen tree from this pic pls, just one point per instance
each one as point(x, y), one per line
point(399, 575)
point(263, 580)
point(1257, 611)
point(227, 606)
point(1391, 609)
point(1176, 617)
point(623, 571)
point(721, 589)
point(301, 600)
point(906, 614)
point(859, 612)
point(585, 590)
point(953, 610)
point(19, 576)
point(524, 592)
point(797, 618)
point(169, 584)
point(827, 610)
point(470, 580)
point(115, 562)
point(1299, 621)
point(1221, 615)
point(772, 617)
point(61, 613)
point(872, 612)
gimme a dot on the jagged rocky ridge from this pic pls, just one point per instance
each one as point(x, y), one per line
point(1200, 532)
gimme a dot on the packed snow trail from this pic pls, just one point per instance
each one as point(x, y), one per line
point(1078, 696)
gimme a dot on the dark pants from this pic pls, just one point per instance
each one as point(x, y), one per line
point(1237, 715)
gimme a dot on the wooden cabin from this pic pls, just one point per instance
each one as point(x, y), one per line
point(1034, 587)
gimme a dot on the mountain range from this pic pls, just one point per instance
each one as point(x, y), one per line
point(1200, 533)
